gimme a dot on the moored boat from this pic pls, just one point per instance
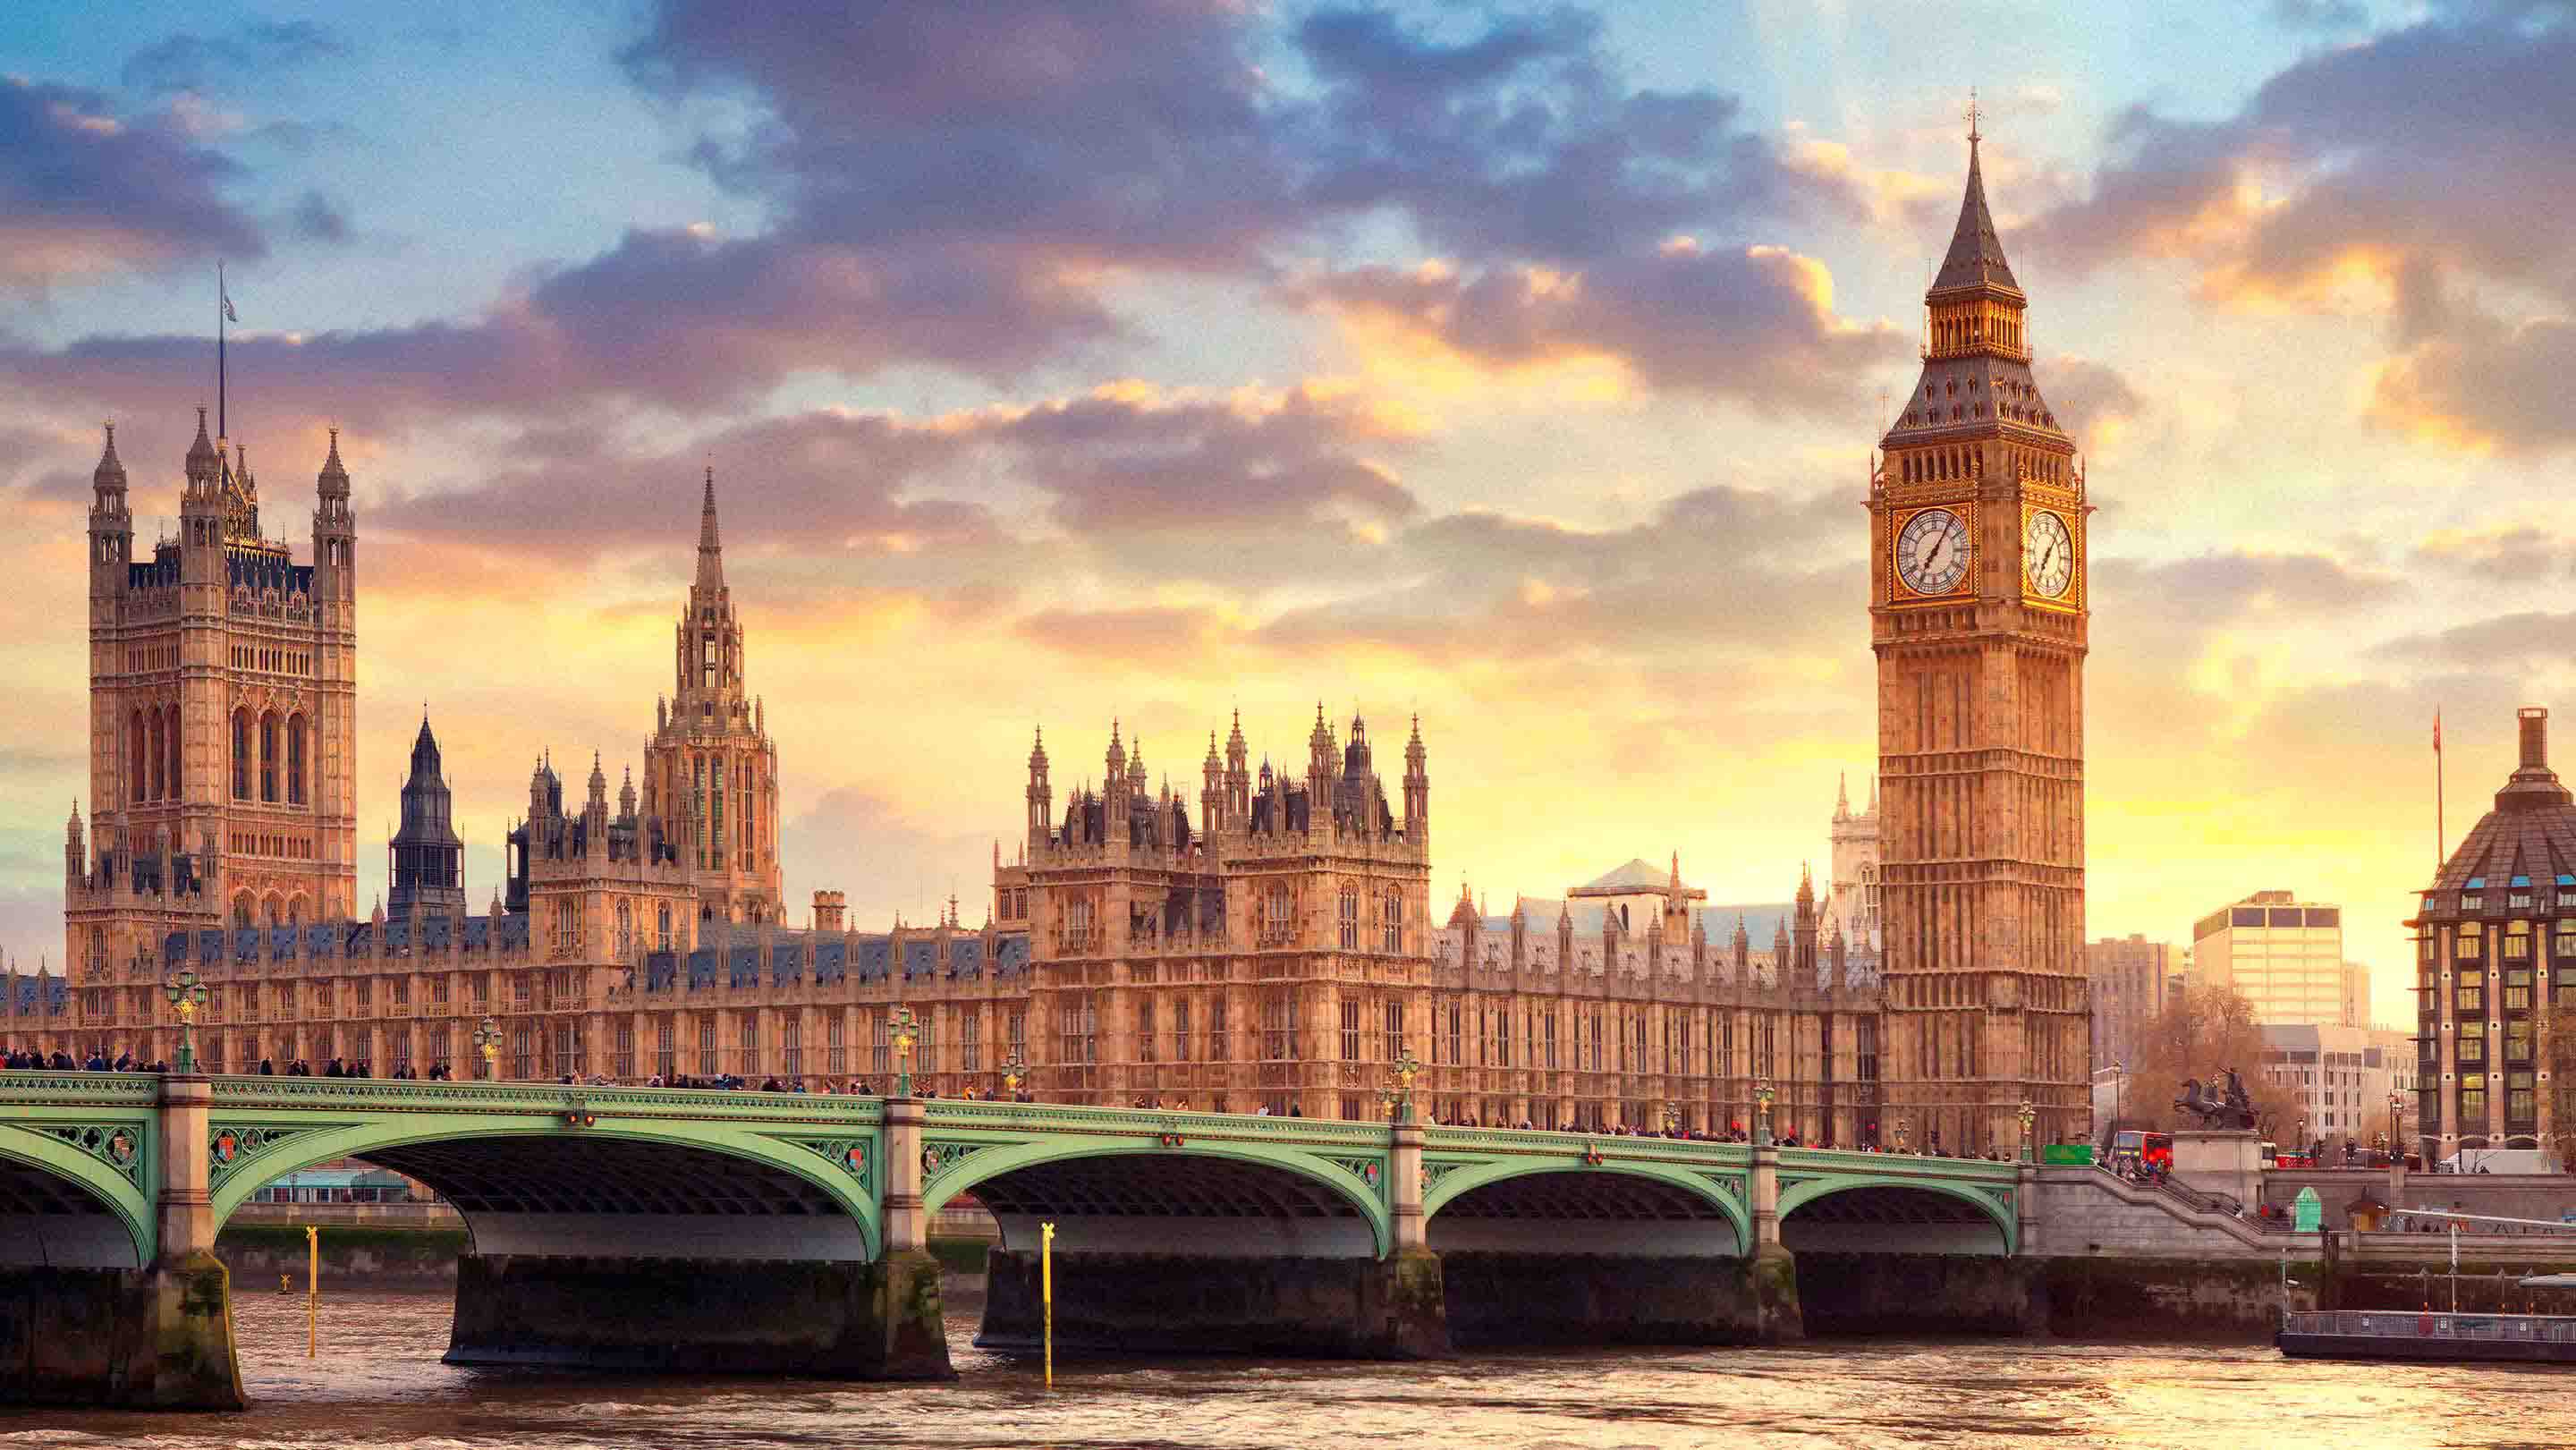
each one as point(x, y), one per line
point(2428, 1336)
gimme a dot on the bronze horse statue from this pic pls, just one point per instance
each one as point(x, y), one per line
point(2217, 1107)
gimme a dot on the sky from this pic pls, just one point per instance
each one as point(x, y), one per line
point(1513, 366)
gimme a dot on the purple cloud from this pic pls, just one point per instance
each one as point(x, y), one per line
point(84, 193)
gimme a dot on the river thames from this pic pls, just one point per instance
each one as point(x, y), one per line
point(378, 1385)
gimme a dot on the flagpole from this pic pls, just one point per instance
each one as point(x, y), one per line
point(2440, 836)
point(220, 430)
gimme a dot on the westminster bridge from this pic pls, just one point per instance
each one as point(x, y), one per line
point(684, 1229)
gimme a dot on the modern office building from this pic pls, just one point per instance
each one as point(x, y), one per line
point(2283, 955)
point(2129, 979)
point(2327, 1084)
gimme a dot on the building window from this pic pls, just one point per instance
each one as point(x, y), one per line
point(625, 1063)
point(1547, 1037)
point(1077, 1032)
point(1181, 1029)
point(1218, 1050)
point(2471, 997)
point(295, 760)
point(1350, 1029)
point(662, 929)
point(1391, 1027)
point(1279, 1026)
point(1350, 918)
point(836, 1052)
point(791, 1044)
point(970, 1040)
point(1144, 1029)
point(1391, 923)
point(2473, 1042)
point(666, 1060)
point(268, 757)
point(523, 1062)
point(241, 757)
point(1456, 1034)
point(708, 1065)
point(2473, 1104)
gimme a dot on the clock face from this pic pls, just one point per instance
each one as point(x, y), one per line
point(2047, 554)
point(1932, 552)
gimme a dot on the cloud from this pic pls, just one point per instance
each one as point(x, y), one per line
point(191, 62)
point(84, 193)
point(1755, 323)
point(317, 218)
point(2528, 642)
point(2324, 15)
point(1525, 141)
point(2484, 385)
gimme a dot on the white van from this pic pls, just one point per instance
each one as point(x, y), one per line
point(2498, 1160)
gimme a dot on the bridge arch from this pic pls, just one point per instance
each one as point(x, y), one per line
point(646, 1189)
point(1894, 1213)
point(1528, 1205)
point(63, 1206)
point(1138, 1195)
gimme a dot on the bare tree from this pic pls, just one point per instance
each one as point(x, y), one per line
point(2200, 1034)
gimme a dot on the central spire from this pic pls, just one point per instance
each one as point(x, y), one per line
point(1976, 256)
point(710, 552)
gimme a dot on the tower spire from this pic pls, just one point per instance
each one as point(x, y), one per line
point(710, 551)
point(1976, 256)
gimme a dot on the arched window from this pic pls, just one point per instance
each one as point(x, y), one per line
point(1391, 922)
point(625, 927)
point(242, 909)
point(273, 910)
point(268, 757)
point(170, 748)
point(241, 755)
point(295, 760)
point(137, 753)
point(662, 929)
point(1350, 918)
point(295, 912)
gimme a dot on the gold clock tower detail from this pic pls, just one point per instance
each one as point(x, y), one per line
point(1978, 616)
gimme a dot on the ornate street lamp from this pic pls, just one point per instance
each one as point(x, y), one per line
point(1672, 1119)
point(1762, 1096)
point(1015, 1070)
point(2396, 1138)
point(487, 1040)
point(185, 993)
point(1901, 1125)
point(905, 1030)
point(2029, 1115)
point(1399, 1098)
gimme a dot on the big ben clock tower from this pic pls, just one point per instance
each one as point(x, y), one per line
point(1978, 616)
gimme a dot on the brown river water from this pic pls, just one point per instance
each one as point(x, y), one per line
point(378, 1385)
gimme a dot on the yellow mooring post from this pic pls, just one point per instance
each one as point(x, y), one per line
point(312, 1291)
point(1046, 1293)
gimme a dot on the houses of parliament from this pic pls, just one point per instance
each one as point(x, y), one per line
point(1275, 943)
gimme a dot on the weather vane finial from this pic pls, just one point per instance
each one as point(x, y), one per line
point(1972, 114)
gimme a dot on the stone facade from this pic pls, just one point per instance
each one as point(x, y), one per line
point(1979, 619)
point(2128, 990)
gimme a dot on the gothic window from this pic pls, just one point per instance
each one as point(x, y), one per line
point(241, 755)
point(295, 760)
point(170, 749)
point(268, 757)
point(662, 929)
point(1392, 1028)
point(1350, 1029)
point(625, 928)
point(1144, 1029)
point(1181, 1030)
point(1391, 923)
point(1279, 1025)
point(707, 664)
point(150, 758)
point(242, 909)
point(1350, 918)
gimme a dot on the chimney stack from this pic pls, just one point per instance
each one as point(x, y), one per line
point(2535, 737)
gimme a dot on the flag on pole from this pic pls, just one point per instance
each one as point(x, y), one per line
point(229, 314)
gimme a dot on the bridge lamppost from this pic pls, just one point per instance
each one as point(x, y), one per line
point(1015, 1070)
point(905, 1030)
point(1762, 1096)
point(2029, 1115)
point(185, 993)
point(1399, 1098)
point(487, 1041)
point(1672, 1119)
point(1901, 1125)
